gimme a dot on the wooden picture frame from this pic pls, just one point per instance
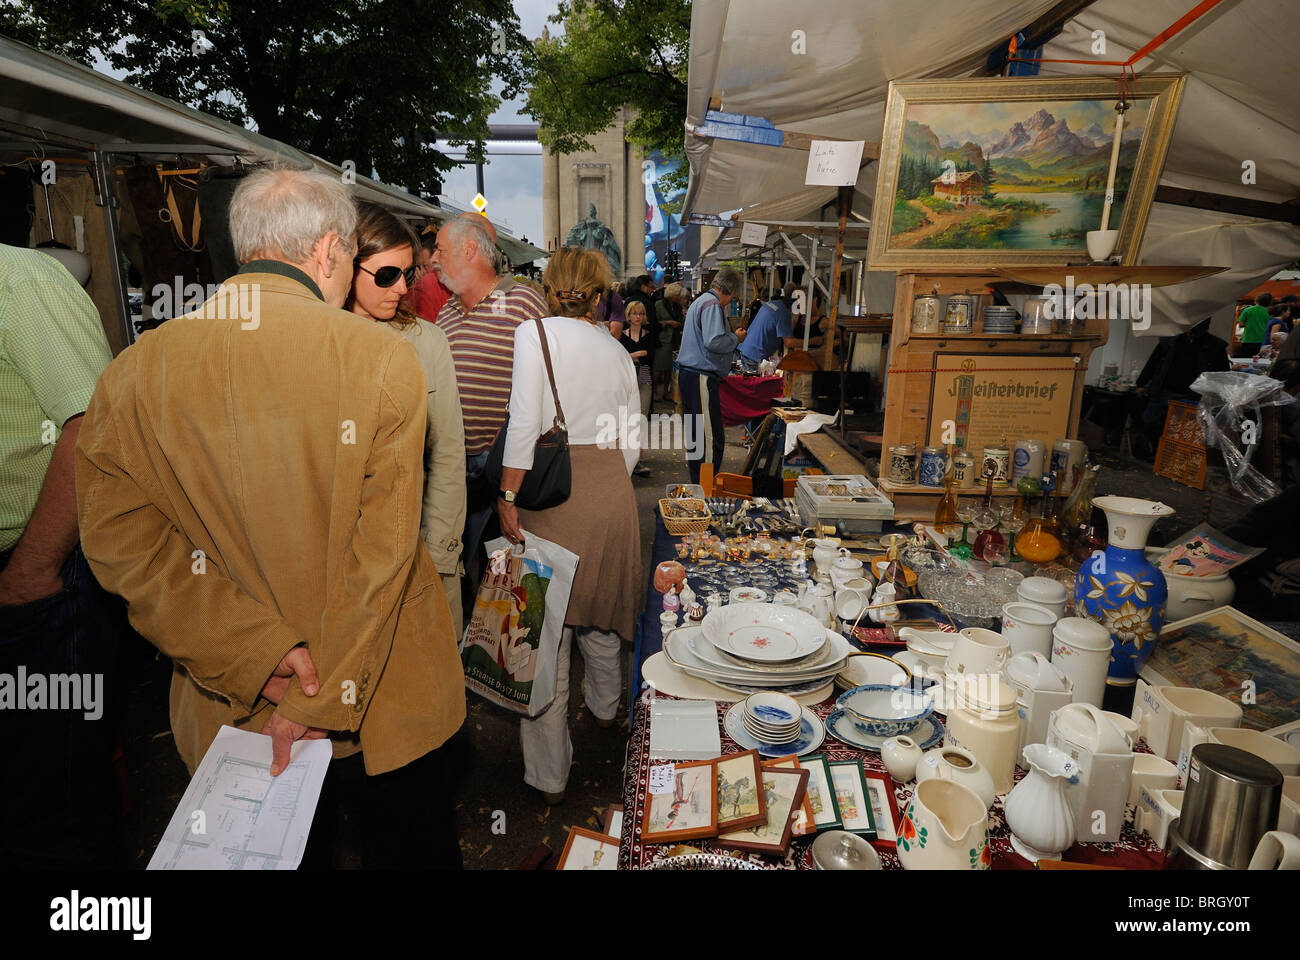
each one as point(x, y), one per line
point(693, 799)
point(884, 807)
point(588, 850)
point(819, 794)
point(804, 824)
point(1219, 651)
point(739, 784)
point(1045, 142)
point(851, 795)
point(785, 788)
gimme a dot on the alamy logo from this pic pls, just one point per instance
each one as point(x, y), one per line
point(56, 691)
point(660, 431)
point(216, 301)
point(76, 913)
point(1115, 301)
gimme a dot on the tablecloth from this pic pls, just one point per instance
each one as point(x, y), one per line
point(1132, 851)
point(748, 398)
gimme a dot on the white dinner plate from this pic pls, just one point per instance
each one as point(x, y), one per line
point(764, 632)
point(811, 734)
point(834, 651)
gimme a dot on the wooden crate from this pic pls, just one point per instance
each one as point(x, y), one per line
point(1181, 454)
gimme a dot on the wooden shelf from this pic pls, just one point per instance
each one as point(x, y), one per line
point(1157, 276)
point(1027, 337)
point(1008, 491)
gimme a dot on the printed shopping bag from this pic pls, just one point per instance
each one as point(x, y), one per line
point(511, 643)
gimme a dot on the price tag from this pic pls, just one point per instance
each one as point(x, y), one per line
point(662, 777)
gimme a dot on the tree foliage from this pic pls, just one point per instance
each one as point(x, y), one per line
point(614, 53)
point(363, 80)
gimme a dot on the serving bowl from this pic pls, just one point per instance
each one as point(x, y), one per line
point(884, 710)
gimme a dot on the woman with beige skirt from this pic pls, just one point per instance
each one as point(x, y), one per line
point(597, 385)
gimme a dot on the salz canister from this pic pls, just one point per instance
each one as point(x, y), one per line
point(960, 315)
point(902, 464)
point(925, 314)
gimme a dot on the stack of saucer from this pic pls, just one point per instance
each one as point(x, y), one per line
point(999, 319)
point(772, 718)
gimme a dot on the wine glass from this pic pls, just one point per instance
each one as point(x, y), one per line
point(996, 553)
point(967, 509)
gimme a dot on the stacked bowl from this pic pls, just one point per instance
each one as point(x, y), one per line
point(866, 716)
point(999, 319)
point(772, 718)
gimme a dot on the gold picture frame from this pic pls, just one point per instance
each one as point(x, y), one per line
point(1038, 162)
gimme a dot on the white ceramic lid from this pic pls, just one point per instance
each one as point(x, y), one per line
point(1082, 634)
point(1041, 590)
point(1033, 671)
point(1088, 726)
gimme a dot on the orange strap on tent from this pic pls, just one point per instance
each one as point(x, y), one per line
point(1192, 15)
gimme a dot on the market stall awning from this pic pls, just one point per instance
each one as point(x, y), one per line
point(1242, 102)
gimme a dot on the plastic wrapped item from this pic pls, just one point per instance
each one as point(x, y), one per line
point(1230, 413)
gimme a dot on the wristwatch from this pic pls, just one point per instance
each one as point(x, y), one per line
point(509, 496)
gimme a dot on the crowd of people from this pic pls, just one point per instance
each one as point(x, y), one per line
point(292, 504)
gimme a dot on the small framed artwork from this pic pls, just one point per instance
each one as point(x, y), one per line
point(803, 818)
point(613, 820)
point(784, 787)
point(588, 850)
point(851, 795)
point(741, 802)
point(884, 807)
point(689, 810)
point(820, 795)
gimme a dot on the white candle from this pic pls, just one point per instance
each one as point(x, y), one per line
point(1114, 163)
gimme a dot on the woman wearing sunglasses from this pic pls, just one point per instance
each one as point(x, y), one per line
point(385, 253)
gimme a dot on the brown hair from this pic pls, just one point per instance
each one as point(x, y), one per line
point(574, 280)
point(377, 231)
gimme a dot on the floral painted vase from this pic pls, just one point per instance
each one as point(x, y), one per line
point(1121, 589)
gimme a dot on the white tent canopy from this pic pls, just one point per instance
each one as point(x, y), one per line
point(1242, 102)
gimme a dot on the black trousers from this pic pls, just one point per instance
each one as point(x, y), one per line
point(702, 420)
point(401, 820)
point(58, 809)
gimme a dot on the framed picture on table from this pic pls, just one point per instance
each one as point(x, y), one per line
point(804, 823)
point(687, 809)
point(884, 807)
point(588, 850)
point(741, 801)
point(820, 794)
point(854, 802)
point(784, 787)
point(1015, 171)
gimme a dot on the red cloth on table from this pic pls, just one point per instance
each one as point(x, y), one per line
point(748, 398)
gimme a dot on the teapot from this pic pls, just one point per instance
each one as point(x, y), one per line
point(824, 553)
point(817, 600)
point(844, 569)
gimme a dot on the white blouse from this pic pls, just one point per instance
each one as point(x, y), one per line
point(596, 380)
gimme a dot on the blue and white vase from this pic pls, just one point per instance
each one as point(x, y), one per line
point(1121, 589)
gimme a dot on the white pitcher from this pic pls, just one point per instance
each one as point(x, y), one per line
point(944, 827)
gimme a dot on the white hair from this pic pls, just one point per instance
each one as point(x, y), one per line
point(281, 214)
point(726, 281)
point(463, 229)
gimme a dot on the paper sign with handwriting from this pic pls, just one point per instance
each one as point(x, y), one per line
point(661, 778)
point(834, 163)
point(753, 235)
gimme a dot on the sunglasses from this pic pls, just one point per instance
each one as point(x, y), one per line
point(387, 276)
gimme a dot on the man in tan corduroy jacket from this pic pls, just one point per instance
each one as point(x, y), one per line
point(249, 479)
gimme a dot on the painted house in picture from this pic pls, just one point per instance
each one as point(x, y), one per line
point(964, 188)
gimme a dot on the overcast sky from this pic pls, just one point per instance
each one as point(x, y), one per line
point(512, 185)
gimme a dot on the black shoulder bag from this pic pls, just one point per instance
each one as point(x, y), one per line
point(549, 481)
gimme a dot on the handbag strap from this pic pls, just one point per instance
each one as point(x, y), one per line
point(550, 375)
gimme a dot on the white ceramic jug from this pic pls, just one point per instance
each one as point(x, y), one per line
point(954, 763)
point(1037, 811)
point(944, 827)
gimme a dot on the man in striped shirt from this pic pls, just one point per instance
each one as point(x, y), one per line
point(479, 321)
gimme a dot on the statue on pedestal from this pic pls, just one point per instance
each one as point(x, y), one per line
point(592, 234)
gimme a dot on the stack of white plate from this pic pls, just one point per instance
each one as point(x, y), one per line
point(772, 717)
point(751, 647)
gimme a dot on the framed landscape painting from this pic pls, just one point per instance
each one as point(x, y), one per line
point(1013, 171)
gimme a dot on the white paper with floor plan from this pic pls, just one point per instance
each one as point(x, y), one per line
point(236, 816)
